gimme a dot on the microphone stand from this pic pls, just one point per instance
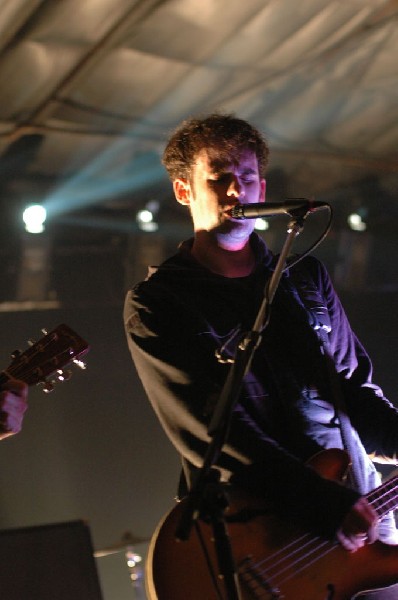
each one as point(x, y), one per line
point(207, 496)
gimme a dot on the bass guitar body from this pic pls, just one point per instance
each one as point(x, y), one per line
point(274, 560)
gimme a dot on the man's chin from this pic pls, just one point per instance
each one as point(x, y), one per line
point(234, 231)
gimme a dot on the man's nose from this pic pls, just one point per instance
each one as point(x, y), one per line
point(235, 189)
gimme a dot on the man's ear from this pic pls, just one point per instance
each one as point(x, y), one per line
point(182, 191)
point(263, 187)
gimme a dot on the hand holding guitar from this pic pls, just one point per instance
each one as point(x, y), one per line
point(13, 405)
point(359, 526)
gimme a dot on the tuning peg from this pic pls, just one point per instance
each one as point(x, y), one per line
point(44, 331)
point(63, 375)
point(48, 386)
point(31, 342)
point(16, 353)
point(79, 363)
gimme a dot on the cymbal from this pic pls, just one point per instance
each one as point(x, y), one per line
point(127, 539)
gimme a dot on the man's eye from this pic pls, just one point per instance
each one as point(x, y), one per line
point(219, 177)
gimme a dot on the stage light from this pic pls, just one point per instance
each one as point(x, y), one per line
point(34, 217)
point(146, 217)
point(261, 225)
point(356, 222)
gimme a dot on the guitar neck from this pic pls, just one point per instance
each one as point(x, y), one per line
point(385, 497)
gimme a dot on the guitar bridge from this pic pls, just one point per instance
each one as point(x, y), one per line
point(255, 582)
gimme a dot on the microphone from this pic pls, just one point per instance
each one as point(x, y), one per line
point(291, 206)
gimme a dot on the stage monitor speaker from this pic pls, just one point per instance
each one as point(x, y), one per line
point(48, 562)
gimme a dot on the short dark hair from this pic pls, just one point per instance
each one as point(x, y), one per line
point(223, 135)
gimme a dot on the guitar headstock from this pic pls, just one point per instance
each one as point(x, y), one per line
point(48, 356)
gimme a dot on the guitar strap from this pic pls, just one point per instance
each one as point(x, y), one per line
point(310, 299)
point(343, 418)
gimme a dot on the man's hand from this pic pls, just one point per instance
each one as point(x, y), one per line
point(13, 405)
point(359, 526)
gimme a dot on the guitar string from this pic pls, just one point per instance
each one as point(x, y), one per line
point(301, 562)
point(20, 369)
point(299, 569)
point(386, 500)
point(28, 355)
point(279, 557)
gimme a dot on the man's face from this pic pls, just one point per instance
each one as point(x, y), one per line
point(216, 188)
